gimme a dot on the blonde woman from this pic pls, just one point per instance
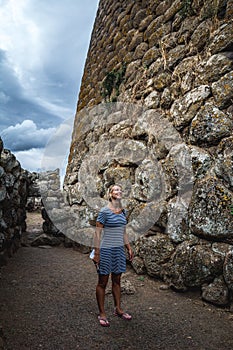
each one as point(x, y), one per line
point(110, 241)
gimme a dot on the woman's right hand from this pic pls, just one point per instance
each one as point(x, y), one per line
point(96, 258)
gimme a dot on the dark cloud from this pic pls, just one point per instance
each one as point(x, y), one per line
point(15, 107)
point(42, 55)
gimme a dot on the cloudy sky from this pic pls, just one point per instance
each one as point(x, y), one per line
point(43, 47)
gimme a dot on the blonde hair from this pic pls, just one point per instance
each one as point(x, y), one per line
point(110, 191)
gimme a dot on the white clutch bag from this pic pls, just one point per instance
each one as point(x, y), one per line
point(92, 254)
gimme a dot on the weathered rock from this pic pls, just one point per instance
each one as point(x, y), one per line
point(200, 37)
point(8, 161)
point(222, 37)
point(209, 212)
point(185, 109)
point(224, 162)
point(126, 287)
point(155, 252)
point(157, 35)
point(216, 292)
point(177, 226)
point(1, 146)
point(213, 68)
point(210, 125)
point(201, 162)
point(150, 56)
point(223, 89)
point(138, 265)
point(193, 265)
point(185, 73)
point(13, 198)
point(152, 100)
point(45, 240)
point(228, 269)
point(140, 50)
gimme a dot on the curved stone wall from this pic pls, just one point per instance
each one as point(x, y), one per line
point(174, 58)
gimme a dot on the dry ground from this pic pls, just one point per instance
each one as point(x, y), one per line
point(47, 301)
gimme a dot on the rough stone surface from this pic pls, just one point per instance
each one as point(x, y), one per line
point(224, 162)
point(228, 269)
point(193, 265)
point(210, 215)
point(210, 125)
point(20, 192)
point(216, 292)
point(14, 183)
point(44, 239)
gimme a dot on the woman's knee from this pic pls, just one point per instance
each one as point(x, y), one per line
point(102, 282)
point(116, 279)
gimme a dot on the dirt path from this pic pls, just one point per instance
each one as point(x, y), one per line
point(47, 301)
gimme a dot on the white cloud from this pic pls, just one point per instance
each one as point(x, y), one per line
point(40, 149)
point(31, 160)
point(25, 136)
point(57, 149)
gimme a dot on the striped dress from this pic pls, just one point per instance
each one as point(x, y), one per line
point(112, 251)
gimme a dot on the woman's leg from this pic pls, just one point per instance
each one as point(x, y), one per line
point(100, 293)
point(116, 291)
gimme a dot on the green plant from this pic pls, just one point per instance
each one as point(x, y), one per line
point(112, 82)
point(186, 9)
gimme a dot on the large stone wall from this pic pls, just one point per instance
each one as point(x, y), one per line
point(174, 58)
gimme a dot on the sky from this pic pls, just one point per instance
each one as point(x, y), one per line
point(43, 48)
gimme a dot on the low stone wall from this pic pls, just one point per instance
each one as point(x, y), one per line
point(22, 191)
point(49, 184)
point(14, 185)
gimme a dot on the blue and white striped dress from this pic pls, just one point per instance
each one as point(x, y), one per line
point(112, 251)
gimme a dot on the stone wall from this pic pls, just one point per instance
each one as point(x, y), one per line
point(175, 59)
point(49, 184)
point(14, 183)
point(18, 189)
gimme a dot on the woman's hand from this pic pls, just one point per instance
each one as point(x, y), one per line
point(130, 252)
point(96, 258)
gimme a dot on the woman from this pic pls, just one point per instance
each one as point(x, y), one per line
point(109, 253)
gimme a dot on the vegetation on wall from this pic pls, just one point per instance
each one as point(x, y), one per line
point(215, 8)
point(186, 9)
point(111, 84)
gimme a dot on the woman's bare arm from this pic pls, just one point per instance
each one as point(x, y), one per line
point(97, 237)
point(127, 245)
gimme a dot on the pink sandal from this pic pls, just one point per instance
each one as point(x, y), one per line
point(103, 321)
point(124, 315)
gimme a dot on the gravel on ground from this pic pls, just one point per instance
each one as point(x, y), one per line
point(47, 301)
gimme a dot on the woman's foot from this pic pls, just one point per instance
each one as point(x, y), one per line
point(122, 314)
point(103, 321)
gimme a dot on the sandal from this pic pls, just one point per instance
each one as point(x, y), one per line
point(124, 315)
point(103, 321)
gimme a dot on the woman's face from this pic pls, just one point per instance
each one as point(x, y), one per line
point(116, 192)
